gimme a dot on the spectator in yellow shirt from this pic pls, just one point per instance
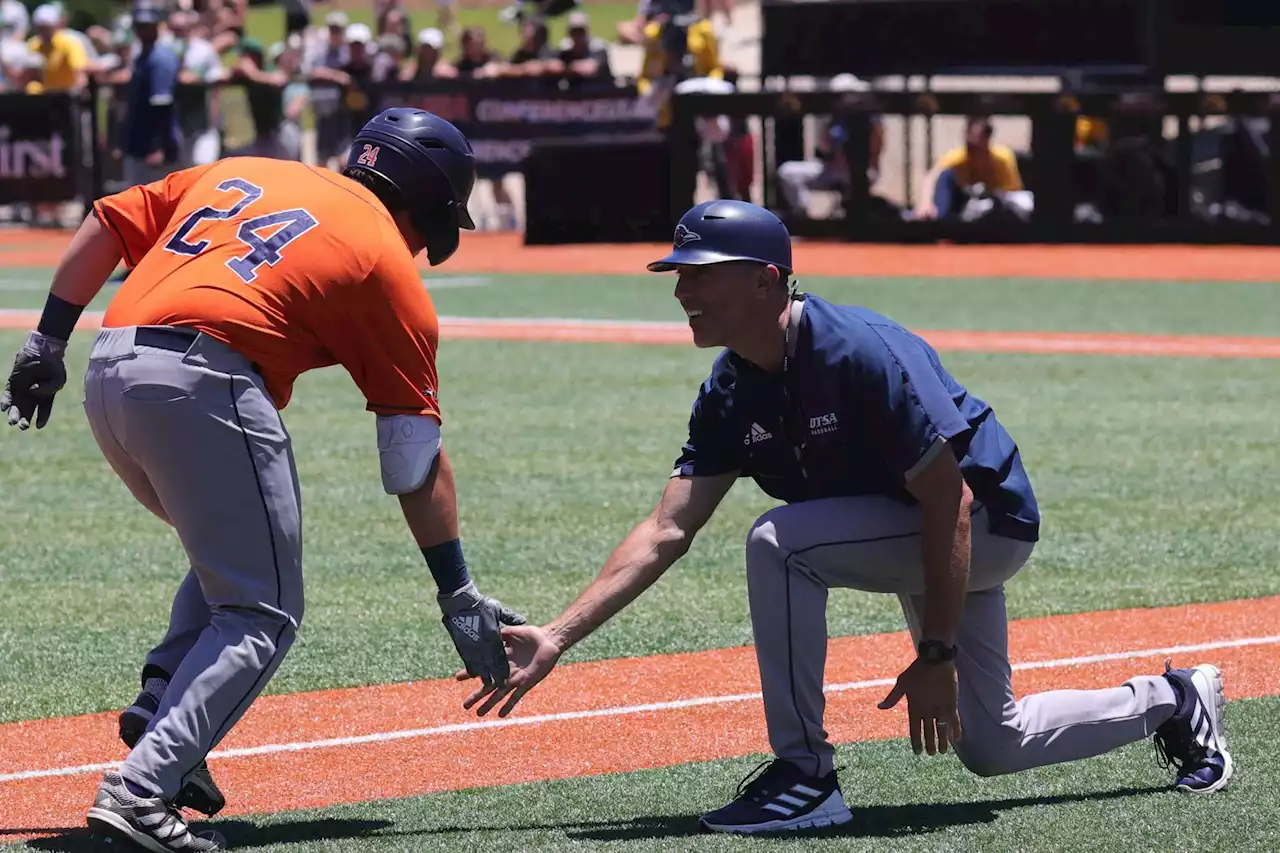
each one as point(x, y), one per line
point(948, 186)
point(657, 74)
point(65, 60)
point(1091, 133)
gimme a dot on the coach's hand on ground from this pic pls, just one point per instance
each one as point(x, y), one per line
point(38, 373)
point(474, 622)
point(931, 705)
point(533, 654)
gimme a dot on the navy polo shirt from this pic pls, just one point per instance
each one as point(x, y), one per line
point(152, 123)
point(861, 403)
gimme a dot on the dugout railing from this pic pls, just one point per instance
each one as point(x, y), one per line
point(67, 147)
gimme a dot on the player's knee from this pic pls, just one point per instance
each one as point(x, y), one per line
point(981, 761)
point(762, 549)
point(990, 749)
point(269, 628)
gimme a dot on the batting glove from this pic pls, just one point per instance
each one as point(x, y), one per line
point(474, 622)
point(38, 374)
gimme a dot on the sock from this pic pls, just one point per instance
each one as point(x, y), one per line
point(151, 671)
point(155, 688)
point(139, 791)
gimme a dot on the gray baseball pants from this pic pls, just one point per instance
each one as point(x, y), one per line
point(797, 552)
point(187, 424)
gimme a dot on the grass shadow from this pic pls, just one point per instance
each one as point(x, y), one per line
point(868, 821)
point(239, 833)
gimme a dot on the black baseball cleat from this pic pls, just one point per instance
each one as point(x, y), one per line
point(199, 791)
point(780, 799)
point(1194, 740)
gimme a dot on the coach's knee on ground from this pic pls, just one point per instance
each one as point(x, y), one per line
point(990, 748)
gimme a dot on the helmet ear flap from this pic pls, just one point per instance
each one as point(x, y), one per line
point(439, 229)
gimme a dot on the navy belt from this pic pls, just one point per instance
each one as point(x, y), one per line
point(172, 338)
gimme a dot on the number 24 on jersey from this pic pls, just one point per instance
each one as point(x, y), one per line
point(289, 225)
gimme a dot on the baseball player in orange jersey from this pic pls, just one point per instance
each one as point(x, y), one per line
point(244, 274)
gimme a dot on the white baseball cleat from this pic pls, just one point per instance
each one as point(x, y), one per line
point(148, 822)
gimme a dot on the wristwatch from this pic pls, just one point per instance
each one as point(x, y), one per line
point(935, 651)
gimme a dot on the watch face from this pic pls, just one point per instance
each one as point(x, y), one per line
point(932, 651)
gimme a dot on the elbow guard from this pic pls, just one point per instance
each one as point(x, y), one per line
point(407, 447)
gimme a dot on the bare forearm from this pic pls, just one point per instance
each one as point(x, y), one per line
point(634, 566)
point(90, 259)
point(945, 542)
point(432, 511)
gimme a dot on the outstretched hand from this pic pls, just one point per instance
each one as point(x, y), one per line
point(532, 655)
point(930, 690)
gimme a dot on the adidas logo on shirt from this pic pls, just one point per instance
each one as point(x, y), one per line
point(757, 434)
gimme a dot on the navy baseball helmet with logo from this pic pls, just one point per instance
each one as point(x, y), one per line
point(727, 230)
point(430, 163)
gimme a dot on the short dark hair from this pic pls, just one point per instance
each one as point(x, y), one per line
point(379, 186)
point(982, 121)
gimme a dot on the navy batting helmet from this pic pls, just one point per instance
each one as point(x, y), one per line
point(727, 230)
point(431, 165)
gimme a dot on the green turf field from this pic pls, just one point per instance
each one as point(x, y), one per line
point(1155, 477)
point(1004, 304)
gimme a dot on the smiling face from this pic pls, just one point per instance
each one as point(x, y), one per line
point(724, 301)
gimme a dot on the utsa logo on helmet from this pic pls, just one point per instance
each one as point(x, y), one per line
point(369, 156)
point(684, 236)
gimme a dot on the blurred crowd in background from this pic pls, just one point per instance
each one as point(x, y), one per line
point(150, 58)
point(40, 52)
point(184, 82)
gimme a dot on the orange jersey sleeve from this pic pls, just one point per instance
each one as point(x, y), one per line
point(139, 215)
point(388, 340)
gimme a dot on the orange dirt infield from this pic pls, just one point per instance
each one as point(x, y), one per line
point(622, 332)
point(506, 253)
point(353, 745)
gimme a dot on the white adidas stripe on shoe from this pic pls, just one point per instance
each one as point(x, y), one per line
point(779, 800)
point(148, 822)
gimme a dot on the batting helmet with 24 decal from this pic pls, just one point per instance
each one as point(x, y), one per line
point(430, 163)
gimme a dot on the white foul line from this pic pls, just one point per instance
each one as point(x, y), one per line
point(456, 728)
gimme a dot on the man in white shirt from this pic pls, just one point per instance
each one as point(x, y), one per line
point(324, 60)
point(14, 55)
point(200, 65)
point(15, 16)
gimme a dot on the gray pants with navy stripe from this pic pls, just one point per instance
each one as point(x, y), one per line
point(192, 432)
point(797, 552)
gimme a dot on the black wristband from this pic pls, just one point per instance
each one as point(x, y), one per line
point(59, 318)
point(447, 566)
point(935, 651)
